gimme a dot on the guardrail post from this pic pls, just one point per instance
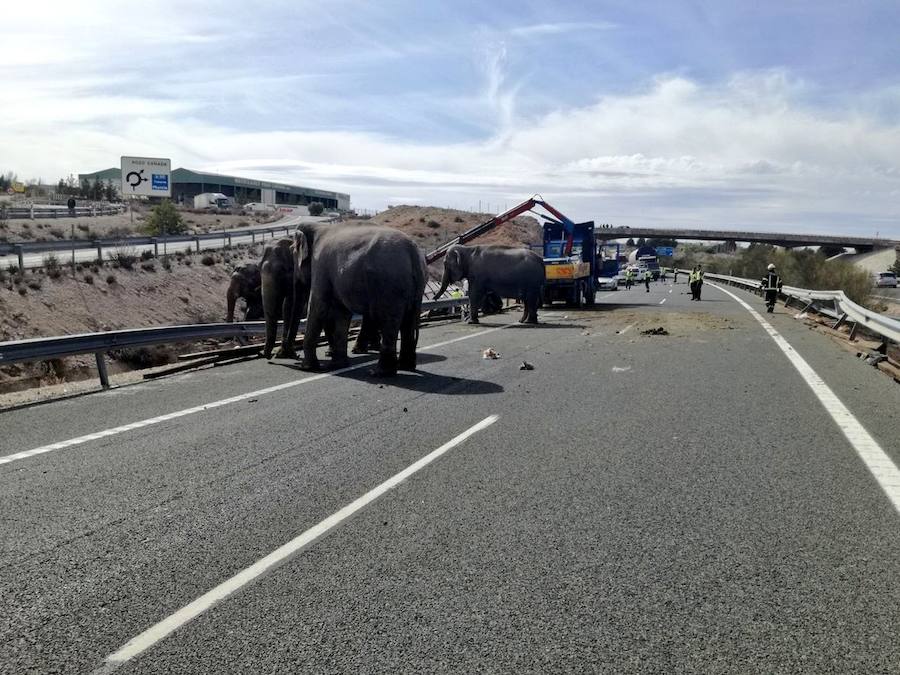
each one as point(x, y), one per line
point(252, 237)
point(21, 257)
point(852, 335)
point(229, 239)
point(197, 243)
point(155, 243)
point(840, 322)
point(101, 369)
point(99, 250)
point(31, 212)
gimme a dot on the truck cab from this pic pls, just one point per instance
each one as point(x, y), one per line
point(570, 278)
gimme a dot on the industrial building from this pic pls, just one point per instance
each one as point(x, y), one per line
point(187, 184)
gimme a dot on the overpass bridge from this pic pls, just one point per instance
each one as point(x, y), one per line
point(778, 239)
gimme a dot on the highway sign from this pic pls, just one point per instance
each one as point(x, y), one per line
point(147, 176)
point(665, 250)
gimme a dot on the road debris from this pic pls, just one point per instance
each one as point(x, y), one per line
point(490, 353)
point(621, 369)
point(659, 330)
point(526, 366)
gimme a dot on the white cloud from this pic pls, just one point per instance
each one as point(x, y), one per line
point(558, 28)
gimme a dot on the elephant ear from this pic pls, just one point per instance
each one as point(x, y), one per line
point(300, 247)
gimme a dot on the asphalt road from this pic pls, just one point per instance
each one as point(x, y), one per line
point(666, 503)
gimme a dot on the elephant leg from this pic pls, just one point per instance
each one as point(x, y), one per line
point(271, 304)
point(368, 335)
point(532, 300)
point(408, 338)
point(329, 335)
point(475, 299)
point(288, 335)
point(340, 326)
point(387, 359)
point(315, 319)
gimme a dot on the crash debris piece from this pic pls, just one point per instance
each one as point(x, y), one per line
point(490, 353)
point(526, 366)
point(655, 331)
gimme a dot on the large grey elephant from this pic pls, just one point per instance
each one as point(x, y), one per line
point(491, 268)
point(377, 272)
point(246, 283)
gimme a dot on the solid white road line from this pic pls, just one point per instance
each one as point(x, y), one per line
point(164, 628)
point(663, 300)
point(876, 460)
point(6, 459)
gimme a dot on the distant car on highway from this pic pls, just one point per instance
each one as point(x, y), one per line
point(886, 280)
point(607, 283)
point(637, 273)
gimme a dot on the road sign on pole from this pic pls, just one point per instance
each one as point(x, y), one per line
point(147, 176)
point(664, 250)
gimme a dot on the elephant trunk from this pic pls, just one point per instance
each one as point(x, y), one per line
point(234, 291)
point(445, 281)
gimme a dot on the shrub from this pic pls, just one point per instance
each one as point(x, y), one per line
point(95, 269)
point(146, 255)
point(89, 279)
point(316, 209)
point(34, 284)
point(51, 264)
point(111, 279)
point(433, 224)
point(22, 290)
point(208, 260)
point(124, 258)
point(3, 276)
point(144, 357)
point(148, 266)
point(457, 219)
point(83, 227)
point(12, 268)
point(164, 217)
point(188, 262)
point(58, 233)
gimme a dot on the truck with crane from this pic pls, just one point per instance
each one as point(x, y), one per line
point(569, 252)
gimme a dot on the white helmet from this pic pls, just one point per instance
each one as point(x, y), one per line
point(771, 267)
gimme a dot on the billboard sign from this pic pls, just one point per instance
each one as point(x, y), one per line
point(146, 176)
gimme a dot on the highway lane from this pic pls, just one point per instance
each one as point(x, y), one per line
point(667, 502)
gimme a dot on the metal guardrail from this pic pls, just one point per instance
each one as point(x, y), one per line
point(38, 349)
point(20, 212)
point(844, 308)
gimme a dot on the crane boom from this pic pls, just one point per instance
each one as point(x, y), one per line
point(504, 217)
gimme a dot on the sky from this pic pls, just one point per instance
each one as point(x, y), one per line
point(773, 116)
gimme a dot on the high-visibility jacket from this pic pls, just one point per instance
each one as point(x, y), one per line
point(696, 275)
point(772, 282)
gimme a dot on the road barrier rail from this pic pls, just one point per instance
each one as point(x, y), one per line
point(843, 308)
point(40, 349)
point(34, 213)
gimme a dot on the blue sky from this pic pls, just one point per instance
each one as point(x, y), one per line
point(774, 115)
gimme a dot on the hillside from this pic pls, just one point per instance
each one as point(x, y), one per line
point(432, 226)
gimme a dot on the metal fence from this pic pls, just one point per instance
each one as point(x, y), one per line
point(32, 213)
point(38, 349)
point(843, 309)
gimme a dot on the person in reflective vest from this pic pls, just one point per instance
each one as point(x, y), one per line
point(696, 279)
point(647, 277)
point(629, 277)
point(771, 287)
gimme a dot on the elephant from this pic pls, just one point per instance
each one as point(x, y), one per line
point(284, 295)
point(246, 283)
point(506, 271)
point(375, 271)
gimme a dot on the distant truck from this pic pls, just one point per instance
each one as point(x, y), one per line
point(212, 200)
point(645, 256)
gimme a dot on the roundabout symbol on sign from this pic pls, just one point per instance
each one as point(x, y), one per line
point(135, 178)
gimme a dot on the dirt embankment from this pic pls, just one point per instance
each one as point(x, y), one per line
point(121, 225)
point(47, 302)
